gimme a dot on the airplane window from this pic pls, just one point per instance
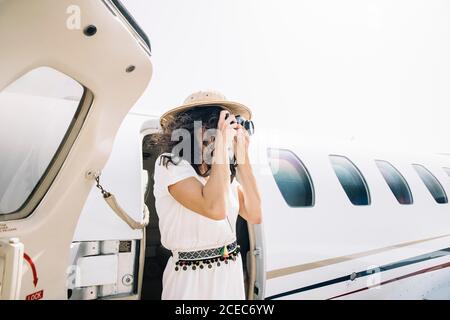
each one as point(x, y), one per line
point(37, 112)
point(292, 178)
point(447, 170)
point(433, 185)
point(351, 179)
point(396, 182)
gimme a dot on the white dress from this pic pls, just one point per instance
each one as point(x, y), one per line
point(185, 230)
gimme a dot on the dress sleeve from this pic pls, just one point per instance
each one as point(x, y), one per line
point(171, 174)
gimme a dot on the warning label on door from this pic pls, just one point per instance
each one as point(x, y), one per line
point(5, 228)
point(35, 296)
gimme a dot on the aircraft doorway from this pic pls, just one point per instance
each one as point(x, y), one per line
point(156, 255)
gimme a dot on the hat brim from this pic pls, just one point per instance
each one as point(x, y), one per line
point(234, 107)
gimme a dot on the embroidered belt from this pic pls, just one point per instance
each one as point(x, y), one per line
point(207, 257)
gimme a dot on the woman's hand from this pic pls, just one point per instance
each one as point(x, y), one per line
point(241, 143)
point(249, 197)
point(226, 131)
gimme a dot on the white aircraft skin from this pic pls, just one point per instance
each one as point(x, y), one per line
point(337, 250)
point(69, 244)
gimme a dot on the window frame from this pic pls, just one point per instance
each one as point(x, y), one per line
point(58, 159)
point(363, 179)
point(405, 182)
point(303, 166)
point(415, 165)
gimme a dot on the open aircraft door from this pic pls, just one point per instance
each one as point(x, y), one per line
point(70, 70)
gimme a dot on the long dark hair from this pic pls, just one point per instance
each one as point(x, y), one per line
point(163, 143)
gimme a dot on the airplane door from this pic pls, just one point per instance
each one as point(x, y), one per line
point(70, 70)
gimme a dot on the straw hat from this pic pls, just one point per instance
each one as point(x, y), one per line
point(206, 98)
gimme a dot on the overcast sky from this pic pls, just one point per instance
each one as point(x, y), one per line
point(377, 72)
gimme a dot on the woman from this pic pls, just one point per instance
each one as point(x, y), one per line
point(199, 191)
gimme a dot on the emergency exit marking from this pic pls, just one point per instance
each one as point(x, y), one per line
point(35, 296)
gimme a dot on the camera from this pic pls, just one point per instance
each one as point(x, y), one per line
point(247, 124)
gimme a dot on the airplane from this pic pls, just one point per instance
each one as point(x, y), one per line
point(339, 221)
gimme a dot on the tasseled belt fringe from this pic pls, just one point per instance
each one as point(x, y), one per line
point(206, 258)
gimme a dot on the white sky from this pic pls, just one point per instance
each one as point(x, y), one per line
point(377, 72)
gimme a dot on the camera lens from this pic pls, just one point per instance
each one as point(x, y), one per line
point(250, 127)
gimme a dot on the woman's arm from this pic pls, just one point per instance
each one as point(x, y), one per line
point(249, 198)
point(210, 200)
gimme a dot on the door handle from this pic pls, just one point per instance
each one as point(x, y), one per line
point(11, 262)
